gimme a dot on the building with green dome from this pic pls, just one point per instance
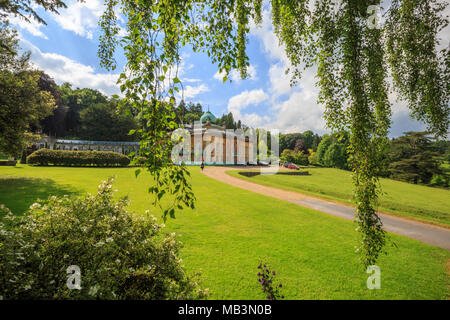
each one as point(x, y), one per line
point(208, 116)
point(209, 133)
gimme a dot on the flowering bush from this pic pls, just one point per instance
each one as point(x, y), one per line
point(266, 279)
point(45, 157)
point(119, 255)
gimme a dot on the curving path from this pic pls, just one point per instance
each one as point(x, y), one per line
point(427, 233)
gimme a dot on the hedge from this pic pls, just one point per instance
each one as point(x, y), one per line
point(8, 162)
point(45, 157)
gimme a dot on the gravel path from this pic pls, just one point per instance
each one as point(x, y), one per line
point(427, 233)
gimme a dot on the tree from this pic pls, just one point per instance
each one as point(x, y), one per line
point(287, 141)
point(191, 117)
point(22, 103)
point(414, 158)
point(100, 121)
point(350, 53)
point(77, 100)
point(301, 158)
point(323, 147)
point(336, 156)
point(300, 145)
point(9, 49)
point(288, 155)
point(26, 9)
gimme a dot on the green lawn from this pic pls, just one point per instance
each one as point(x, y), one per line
point(231, 229)
point(400, 198)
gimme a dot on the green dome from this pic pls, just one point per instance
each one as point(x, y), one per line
point(208, 115)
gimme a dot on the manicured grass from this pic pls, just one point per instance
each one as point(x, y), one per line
point(231, 229)
point(400, 198)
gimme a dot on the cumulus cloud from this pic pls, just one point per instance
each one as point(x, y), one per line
point(33, 27)
point(190, 91)
point(63, 69)
point(298, 111)
point(80, 18)
point(235, 75)
point(246, 98)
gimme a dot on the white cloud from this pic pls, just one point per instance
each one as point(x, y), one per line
point(81, 18)
point(299, 111)
point(246, 98)
point(236, 76)
point(63, 69)
point(190, 91)
point(33, 27)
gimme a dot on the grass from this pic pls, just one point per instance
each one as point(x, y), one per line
point(399, 198)
point(231, 229)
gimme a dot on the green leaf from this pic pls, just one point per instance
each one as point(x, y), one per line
point(137, 172)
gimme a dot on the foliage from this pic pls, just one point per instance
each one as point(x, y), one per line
point(297, 157)
point(352, 54)
point(154, 34)
point(120, 255)
point(102, 122)
point(287, 155)
point(309, 140)
point(45, 157)
point(8, 162)
point(26, 9)
point(267, 281)
point(312, 158)
point(414, 158)
point(440, 180)
point(228, 121)
point(23, 104)
point(324, 144)
point(335, 156)
point(9, 49)
point(332, 151)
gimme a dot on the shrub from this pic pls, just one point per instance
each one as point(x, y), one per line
point(440, 180)
point(8, 162)
point(45, 157)
point(336, 156)
point(301, 158)
point(120, 255)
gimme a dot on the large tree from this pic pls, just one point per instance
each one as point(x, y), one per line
point(351, 52)
point(22, 102)
point(414, 158)
point(101, 121)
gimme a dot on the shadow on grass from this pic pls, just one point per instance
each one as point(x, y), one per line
point(18, 193)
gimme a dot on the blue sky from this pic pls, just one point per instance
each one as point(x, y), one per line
point(67, 50)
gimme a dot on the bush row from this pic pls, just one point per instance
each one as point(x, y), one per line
point(8, 162)
point(45, 157)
